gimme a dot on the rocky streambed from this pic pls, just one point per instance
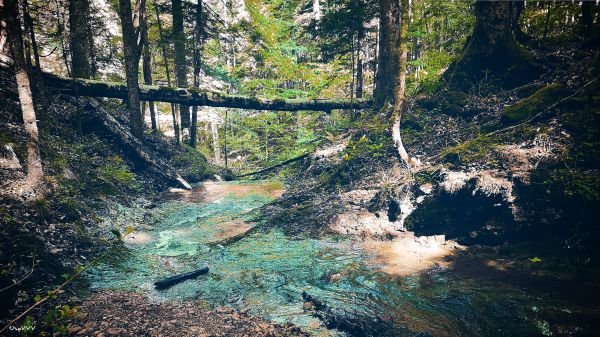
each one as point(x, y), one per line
point(333, 285)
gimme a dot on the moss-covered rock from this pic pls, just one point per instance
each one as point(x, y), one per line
point(534, 104)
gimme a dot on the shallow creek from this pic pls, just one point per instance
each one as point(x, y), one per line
point(267, 272)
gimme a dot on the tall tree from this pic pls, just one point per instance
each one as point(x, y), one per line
point(387, 59)
point(147, 70)
point(401, 51)
point(198, 42)
point(167, 71)
point(131, 68)
point(79, 38)
point(39, 81)
point(14, 37)
point(180, 59)
point(493, 49)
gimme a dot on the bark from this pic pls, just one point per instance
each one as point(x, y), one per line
point(215, 137)
point(133, 144)
point(198, 42)
point(79, 38)
point(40, 91)
point(131, 68)
point(168, 72)
point(387, 66)
point(180, 62)
point(147, 70)
point(546, 20)
point(193, 96)
point(35, 173)
point(317, 10)
point(139, 26)
point(516, 9)
point(399, 94)
point(359, 70)
point(171, 281)
point(493, 50)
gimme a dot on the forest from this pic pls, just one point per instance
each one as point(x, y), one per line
point(299, 168)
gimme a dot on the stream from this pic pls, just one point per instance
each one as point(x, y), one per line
point(266, 273)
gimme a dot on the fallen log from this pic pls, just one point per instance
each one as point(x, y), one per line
point(171, 281)
point(126, 138)
point(272, 167)
point(195, 96)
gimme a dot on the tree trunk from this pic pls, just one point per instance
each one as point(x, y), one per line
point(352, 69)
point(139, 26)
point(180, 62)
point(147, 70)
point(79, 38)
point(198, 42)
point(400, 88)
point(547, 20)
point(387, 66)
point(226, 153)
point(215, 137)
point(317, 10)
point(131, 68)
point(35, 173)
point(493, 50)
point(516, 9)
point(40, 91)
point(359, 70)
point(167, 71)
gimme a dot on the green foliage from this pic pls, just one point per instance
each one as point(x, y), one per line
point(116, 174)
point(539, 101)
point(57, 318)
point(193, 164)
point(572, 184)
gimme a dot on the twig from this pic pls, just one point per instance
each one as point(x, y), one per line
point(25, 277)
point(52, 292)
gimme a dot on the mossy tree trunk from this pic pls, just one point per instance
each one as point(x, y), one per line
point(193, 96)
point(133, 144)
point(79, 38)
point(492, 50)
point(180, 59)
point(147, 71)
point(12, 25)
point(387, 59)
point(131, 68)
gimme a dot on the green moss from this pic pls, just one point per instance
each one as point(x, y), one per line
point(192, 164)
point(540, 100)
point(116, 174)
point(476, 149)
point(576, 185)
point(19, 147)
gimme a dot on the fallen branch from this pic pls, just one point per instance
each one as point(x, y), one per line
point(123, 134)
point(283, 163)
point(53, 292)
point(171, 281)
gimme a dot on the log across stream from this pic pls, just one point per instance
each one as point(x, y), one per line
point(330, 286)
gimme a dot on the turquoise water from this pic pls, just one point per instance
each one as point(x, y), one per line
point(266, 273)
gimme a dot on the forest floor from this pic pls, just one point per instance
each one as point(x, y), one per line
point(535, 183)
point(112, 313)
